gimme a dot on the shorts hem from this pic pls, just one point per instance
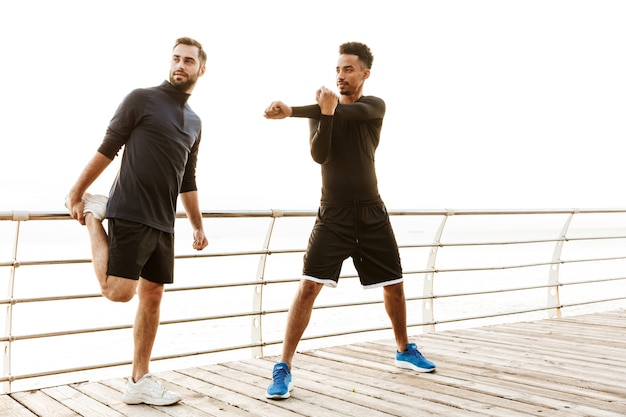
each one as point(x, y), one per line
point(326, 281)
point(383, 284)
point(125, 276)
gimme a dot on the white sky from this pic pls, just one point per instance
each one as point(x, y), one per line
point(490, 104)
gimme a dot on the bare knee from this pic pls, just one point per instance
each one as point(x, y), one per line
point(150, 293)
point(309, 289)
point(117, 296)
point(120, 290)
point(394, 291)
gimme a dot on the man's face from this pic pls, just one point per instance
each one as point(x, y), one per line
point(350, 74)
point(185, 68)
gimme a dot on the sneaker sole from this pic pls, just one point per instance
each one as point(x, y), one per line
point(410, 366)
point(277, 396)
point(280, 396)
point(149, 401)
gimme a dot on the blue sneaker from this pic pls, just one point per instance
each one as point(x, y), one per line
point(281, 382)
point(412, 359)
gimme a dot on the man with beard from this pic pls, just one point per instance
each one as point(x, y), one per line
point(161, 136)
point(352, 220)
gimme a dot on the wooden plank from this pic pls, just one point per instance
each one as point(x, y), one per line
point(80, 403)
point(103, 393)
point(179, 409)
point(386, 394)
point(192, 391)
point(609, 318)
point(43, 405)
point(553, 392)
point(13, 408)
point(255, 385)
point(521, 373)
point(318, 392)
point(609, 398)
point(572, 359)
point(481, 366)
point(463, 395)
point(222, 388)
point(564, 331)
point(569, 367)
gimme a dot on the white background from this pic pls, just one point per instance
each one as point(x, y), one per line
point(490, 104)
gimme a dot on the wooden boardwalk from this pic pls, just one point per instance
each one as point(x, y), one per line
point(553, 368)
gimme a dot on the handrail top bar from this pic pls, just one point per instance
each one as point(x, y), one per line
point(21, 215)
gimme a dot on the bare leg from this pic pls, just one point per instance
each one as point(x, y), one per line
point(299, 316)
point(113, 288)
point(146, 325)
point(99, 248)
point(395, 304)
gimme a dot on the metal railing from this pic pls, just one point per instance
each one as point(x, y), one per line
point(462, 268)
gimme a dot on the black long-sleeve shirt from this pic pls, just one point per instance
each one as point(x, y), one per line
point(344, 145)
point(161, 135)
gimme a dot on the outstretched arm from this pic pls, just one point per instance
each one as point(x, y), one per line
point(366, 108)
point(192, 208)
point(320, 116)
point(92, 171)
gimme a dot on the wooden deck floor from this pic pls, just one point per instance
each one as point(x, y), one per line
point(554, 368)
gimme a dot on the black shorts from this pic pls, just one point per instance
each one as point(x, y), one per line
point(360, 230)
point(137, 250)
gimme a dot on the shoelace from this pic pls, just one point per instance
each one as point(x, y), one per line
point(155, 387)
point(279, 373)
point(415, 353)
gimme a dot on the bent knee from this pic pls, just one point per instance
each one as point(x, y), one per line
point(119, 290)
point(118, 296)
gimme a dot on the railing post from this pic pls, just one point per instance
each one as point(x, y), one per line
point(554, 299)
point(257, 297)
point(428, 305)
point(8, 325)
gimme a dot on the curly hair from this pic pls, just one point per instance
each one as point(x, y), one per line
point(359, 49)
point(192, 42)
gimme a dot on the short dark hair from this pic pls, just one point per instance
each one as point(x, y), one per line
point(359, 49)
point(192, 42)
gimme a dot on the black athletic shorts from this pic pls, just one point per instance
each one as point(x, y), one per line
point(360, 230)
point(137, 250)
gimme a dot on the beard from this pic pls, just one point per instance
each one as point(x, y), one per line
point(185, 85)
point(345, 90)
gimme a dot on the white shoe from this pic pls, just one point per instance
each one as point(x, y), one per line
point(95, 204)
point(148, 391)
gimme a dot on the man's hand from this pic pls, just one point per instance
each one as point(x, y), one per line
point(327, 100)
point(277, 110)
point(75, 206)
point(199, 240)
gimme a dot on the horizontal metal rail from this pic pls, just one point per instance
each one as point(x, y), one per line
point(544, 274)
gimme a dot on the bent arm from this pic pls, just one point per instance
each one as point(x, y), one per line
point(90, 173)
point(320, 138)
point(320, 130)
